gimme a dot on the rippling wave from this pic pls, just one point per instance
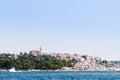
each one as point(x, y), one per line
point(60, 76)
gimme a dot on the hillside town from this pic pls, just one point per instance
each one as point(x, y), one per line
point(81, 62)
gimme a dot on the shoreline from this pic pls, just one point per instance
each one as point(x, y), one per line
point(61, 71)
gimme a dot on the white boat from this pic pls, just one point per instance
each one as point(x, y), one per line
point(12, 70)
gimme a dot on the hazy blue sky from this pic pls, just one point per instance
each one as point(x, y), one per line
point(89, 27)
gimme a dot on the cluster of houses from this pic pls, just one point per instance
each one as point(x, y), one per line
point(83, 62)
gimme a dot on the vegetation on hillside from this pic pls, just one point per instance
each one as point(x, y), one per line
point(31, 62)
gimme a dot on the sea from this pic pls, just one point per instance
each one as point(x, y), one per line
point(49, 75)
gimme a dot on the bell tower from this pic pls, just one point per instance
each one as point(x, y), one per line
point(40, 49)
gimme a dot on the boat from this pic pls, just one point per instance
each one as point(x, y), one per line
point(12, 70)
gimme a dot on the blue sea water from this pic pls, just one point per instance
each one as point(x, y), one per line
point(59, 76)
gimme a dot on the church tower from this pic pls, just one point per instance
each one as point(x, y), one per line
point(40, 49)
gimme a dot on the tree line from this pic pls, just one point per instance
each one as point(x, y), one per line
point(32, 62)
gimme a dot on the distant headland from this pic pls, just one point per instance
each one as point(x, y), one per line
point(38, 60)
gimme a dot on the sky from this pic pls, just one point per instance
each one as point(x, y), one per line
point(86, 27)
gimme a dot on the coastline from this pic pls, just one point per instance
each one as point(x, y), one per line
point(61, 71)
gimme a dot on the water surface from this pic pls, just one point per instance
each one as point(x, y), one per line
point(60, 76)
